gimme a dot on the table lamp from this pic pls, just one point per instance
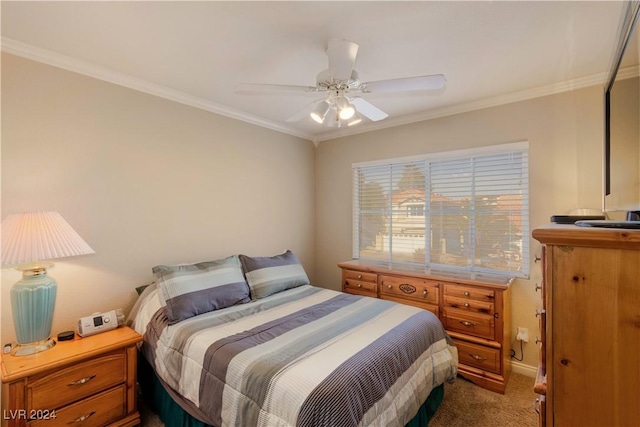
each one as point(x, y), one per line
point(28, 240)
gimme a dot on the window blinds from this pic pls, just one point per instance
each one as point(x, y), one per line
point(459, 210)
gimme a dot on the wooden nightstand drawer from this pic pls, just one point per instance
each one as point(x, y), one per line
point(96, 411)
point(485, 358)
point(76, 382)
point(418, 290)
point(481, 326)
point(92, 380)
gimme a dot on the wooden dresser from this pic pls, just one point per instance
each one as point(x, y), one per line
point(85, 382)
point(475, 310)
point(589, 373)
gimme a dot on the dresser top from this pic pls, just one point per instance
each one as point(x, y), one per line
point(594, 237)
point(383, 267)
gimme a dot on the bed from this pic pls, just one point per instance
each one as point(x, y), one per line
point(284, 354)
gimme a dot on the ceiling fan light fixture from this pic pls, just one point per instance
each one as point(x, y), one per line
point(333, 119)
point(355, 121)
point(344, 107)
point(347, 112)
point(320, 112)
point(341, 83)
point(316, 117)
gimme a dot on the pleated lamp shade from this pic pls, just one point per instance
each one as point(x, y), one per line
point(29, 240)
point(38, 236)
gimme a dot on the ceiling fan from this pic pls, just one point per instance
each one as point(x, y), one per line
point(340, 81)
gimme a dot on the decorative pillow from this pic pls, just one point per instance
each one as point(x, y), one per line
point(269, 275)
point(192, 289)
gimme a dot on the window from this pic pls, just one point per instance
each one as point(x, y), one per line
point(463, 210)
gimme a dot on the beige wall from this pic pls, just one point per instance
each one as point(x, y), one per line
point(147, 181)
point(144, 181)
point(565, 151)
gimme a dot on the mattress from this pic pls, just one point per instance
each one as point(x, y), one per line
point(306, 356)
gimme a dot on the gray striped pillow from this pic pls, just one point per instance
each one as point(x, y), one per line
point(192, 289)
point(268, 275)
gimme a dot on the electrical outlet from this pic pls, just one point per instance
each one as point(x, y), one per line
point(523, 334)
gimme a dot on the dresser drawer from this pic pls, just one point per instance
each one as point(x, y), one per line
point(481, 326)
point(485, 358)
point(418, 290)
point(472, 305)
point(468, 292)
point(542, 314)
point(97, 411)
point(360, 287)
point(359, 276)
point(360, 283)
point(76, 382)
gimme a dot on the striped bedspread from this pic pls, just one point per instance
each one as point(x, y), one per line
point(303, 357)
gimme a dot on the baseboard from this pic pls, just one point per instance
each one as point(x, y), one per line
point(522, 369)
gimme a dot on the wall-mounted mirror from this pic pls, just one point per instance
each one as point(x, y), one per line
point(622, 121)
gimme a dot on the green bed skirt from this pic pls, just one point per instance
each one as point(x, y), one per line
point(173, 415)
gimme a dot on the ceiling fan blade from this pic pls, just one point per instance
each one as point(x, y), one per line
point(305, 111)
point(434, 81)
point(257, 88)
point(368, 110)
point(342, 58)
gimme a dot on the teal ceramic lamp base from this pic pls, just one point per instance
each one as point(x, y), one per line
point(32, 348)
point(33, 299)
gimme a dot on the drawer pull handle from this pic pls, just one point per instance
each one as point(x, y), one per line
point(389, 286)
point(425, 292)
point(359, 276)
point(82, 381)
point(359, 285)
point(466, 293)
point(478, 358)
point(466, 304)
point(82, 418)
point(468, 324)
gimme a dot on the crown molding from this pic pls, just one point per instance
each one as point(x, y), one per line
point(55, 59)
point(106, 74)
point(629, 72)
point(556, 88)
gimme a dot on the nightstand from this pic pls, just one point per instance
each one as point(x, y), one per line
point(85, 382)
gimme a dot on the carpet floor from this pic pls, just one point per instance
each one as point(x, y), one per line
point(464, 405)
